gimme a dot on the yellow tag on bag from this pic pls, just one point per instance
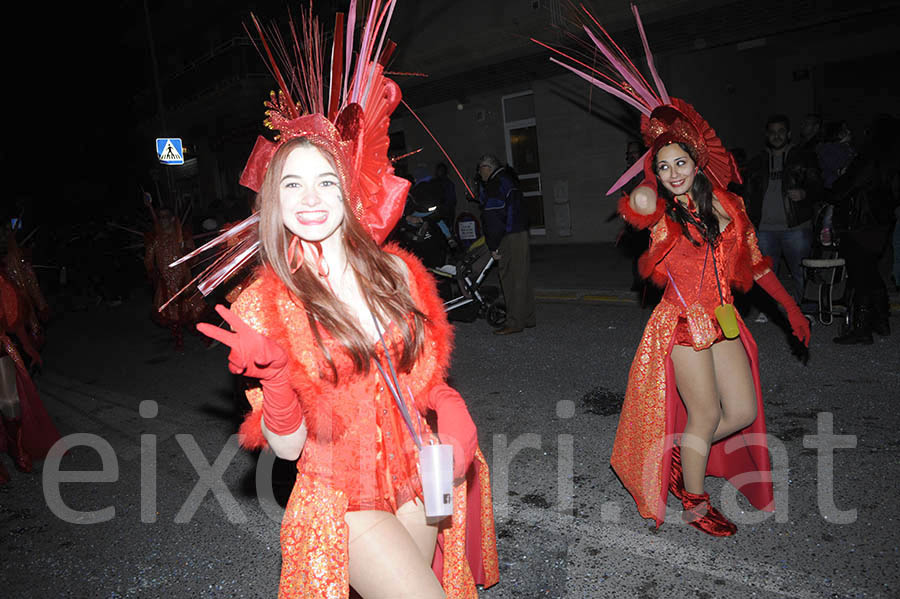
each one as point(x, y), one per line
point(727, 318)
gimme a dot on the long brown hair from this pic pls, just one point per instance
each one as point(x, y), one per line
point(701, 194)
point(381, 280)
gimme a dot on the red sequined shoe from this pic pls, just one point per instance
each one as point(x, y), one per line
point(676, 476)
point(702, 516)
point(15, 446)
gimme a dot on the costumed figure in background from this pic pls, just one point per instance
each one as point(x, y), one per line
point(693, 406)
point(26, 431)
point(165, 244)
point(339, 336)
point(17, 268)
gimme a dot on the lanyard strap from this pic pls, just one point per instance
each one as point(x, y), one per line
point(703, 272)
point(718, 284)
point(709, 249)
point(672, 280)
point(394, 386)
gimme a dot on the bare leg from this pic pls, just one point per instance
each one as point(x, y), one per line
point(696, 380)
point(735, 384)
point(386, 560)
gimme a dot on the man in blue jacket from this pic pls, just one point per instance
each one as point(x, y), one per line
point(505, 227)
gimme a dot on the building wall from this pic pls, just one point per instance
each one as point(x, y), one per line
point(583, 133)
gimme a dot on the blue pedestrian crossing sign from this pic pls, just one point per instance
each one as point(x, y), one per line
point(169, 150)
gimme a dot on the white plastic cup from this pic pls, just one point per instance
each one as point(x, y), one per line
point(436, 466)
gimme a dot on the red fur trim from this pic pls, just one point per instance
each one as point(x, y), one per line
point(250, 434)
point(266, 298)
point(640, 221)
point(745, 270)
point(439, 332)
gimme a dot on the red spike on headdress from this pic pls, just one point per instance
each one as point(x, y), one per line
point(294, 113)
point(337, 66)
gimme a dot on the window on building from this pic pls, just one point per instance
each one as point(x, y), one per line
point(522, 154)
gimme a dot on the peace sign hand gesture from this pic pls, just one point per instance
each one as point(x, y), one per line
point(252, 354)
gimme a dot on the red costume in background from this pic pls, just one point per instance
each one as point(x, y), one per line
point(162, 248)
point(29, 433)
point(359, 454)
point(653, 413)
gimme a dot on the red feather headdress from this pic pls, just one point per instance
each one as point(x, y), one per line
point(349, 118)
point(664, 119)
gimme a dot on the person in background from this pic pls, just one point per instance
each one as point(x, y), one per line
point(865, 199)
point(166, 243)
point(448, 199)
point(782, 184)
point(26, 430)
point(835, 155)
point(811, 132)
point(505, 226)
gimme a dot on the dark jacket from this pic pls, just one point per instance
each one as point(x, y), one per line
point(502, 208)
point(864, 196)
point(801, 171)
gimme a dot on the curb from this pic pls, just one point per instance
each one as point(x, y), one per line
point(591, 296)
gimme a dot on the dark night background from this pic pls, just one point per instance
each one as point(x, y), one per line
point(84, 113)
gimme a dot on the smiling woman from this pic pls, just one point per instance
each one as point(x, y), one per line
point(329, 314)
point(310, 194)
point(693, 388)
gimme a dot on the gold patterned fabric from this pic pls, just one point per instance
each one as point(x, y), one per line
point(358, 453)
point(653, 413)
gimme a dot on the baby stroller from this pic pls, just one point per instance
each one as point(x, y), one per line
point(460, 285)
point(825, 273)
point(422, 231)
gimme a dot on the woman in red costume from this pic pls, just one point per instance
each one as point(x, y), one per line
point(693, 406)
point(169, 241)
point(329, 314)
point(26, 431)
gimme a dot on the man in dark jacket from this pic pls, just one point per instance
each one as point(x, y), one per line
point(865, 198)
point(505, 227)
point(783, 183)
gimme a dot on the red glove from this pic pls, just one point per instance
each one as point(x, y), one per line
point(769, 282)
point(454, 425)
point(259, 357)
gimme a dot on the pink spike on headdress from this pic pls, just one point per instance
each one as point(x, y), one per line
point(576, 61)
point(648, 96)
point(607, 88)
point(656, 79)
point(363, 58)
point(633, 170)
point(383, 23)
point(634, 71)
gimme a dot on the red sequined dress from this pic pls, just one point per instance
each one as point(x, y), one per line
point(38, 434)
point(653, 412)
point(162, 248)
point(359, 455)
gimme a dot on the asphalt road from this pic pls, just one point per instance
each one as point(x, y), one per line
point(546, 404)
